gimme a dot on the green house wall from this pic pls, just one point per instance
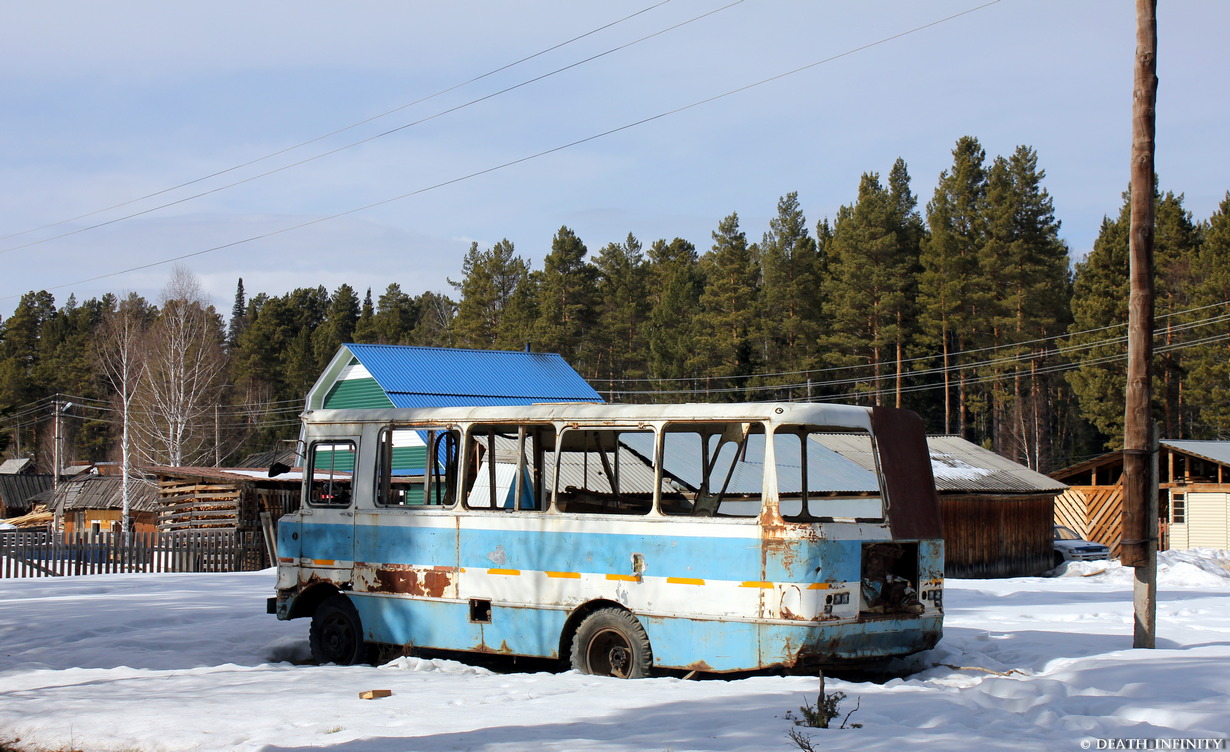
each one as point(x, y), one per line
point(356, 393)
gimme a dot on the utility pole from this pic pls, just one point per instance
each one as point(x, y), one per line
point(1138, 547)
point(55, 446)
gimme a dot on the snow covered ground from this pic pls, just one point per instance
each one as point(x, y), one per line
point(191, 662)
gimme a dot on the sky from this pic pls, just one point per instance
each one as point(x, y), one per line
point(135, 133)
point(169, 662)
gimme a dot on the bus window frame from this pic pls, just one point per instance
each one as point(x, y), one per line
point(613, 472)
point(483, 436)
point(311, 484)
point(431, 473)
point(710, 456)
point(807, 496)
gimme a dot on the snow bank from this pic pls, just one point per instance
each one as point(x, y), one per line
point(192, 662)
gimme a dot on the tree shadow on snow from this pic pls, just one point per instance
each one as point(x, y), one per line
point(737, 722)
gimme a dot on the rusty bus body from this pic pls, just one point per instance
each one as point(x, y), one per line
point(624, 537)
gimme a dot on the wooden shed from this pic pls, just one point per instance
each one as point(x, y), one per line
point(18, 489)
point(998, 515)
point(81, 502)
point(1193, 496)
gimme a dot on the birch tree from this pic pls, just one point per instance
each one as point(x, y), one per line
point(185, 364)
point(119, 351)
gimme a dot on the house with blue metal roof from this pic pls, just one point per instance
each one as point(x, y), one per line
point(403, 376)
point(376, 376)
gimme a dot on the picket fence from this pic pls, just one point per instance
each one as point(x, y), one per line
point(42, 554)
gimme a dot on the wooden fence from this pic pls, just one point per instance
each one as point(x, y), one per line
point(41, 554)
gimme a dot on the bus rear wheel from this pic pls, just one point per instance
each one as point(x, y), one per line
point(336, 635)
point(611, 642)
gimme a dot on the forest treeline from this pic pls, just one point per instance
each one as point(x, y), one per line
point(967, 310)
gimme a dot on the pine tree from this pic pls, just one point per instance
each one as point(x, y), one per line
point(620, 339)
point(789, 325)
point(489, 282)
point(396, 316)
point(19, 352)
point(1177, 240)
point(952, 289)
point(566, 301)
point(1099, 308)
point(1027, 265)
point(1099, 315)
point(728, 306)
point(675, 285)
point(869, 288)
point(1208, 382)
point(365, 326)
point(239, 317)
point(338, 327)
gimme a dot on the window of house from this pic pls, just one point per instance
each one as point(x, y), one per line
point(1178, 509)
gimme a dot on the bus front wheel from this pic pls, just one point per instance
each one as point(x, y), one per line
point(611, 642)
point(336, 635)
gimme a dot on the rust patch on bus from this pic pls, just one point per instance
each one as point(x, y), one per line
point(402, 579)
point(785, 542)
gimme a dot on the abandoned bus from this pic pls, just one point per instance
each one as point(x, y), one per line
point(621, 537)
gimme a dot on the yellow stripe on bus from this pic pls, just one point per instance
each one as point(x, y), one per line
point(684, 581)
point(324, 562)
point(819, 586)
point(765, 585)
point(504, 571)
point(623, 577)
point(565, 575)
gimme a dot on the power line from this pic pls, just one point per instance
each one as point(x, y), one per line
point(924, 358)
point(527, 158)
point(330, 134)
point(369, 139)
point(1060, 364)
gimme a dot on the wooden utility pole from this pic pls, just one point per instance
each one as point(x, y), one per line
point(55, 446)
point(1139, 545)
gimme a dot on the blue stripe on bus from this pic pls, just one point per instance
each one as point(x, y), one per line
point(676, 642)
point(731, 559)
point(446, 625)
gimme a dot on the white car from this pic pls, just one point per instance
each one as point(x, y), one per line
point(1071, 547)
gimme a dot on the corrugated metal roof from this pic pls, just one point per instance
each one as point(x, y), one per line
point(17, 465)
point(444, 377)
point(401, 399)
point(958, 466)
point(1214, 451)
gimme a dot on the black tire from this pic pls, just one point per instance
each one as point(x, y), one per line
point(611, 642)
point(337, 634)
point(1058, 559)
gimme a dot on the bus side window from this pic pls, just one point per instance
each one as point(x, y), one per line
point(826, 475)
point(713, 469)
point(505, 467)
point(331, 468)
point(416, 467)
point(605, 471)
